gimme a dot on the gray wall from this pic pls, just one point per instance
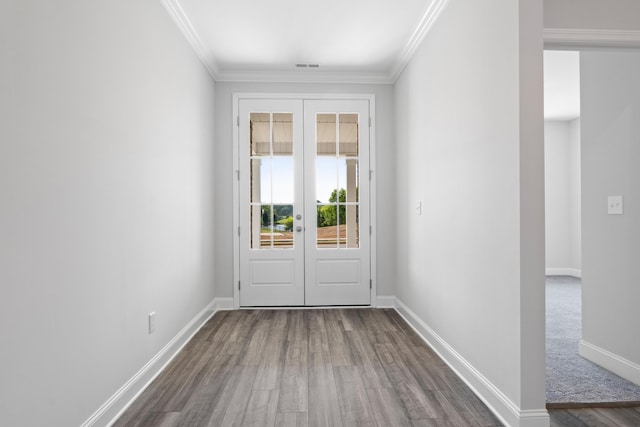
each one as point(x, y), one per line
point(106, 176)
point(562, 197)
point(470, 147)
point(385, 172)
point(592, 14)
point(610, 93)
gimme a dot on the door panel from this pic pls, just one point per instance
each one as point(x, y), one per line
point(304, 204)
point(271, 194)
point(337, 270)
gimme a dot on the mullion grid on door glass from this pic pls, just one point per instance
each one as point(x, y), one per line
point(258, 157)
point(337, 212)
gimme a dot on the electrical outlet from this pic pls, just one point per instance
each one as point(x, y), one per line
point(615, 205)
point(152, 322)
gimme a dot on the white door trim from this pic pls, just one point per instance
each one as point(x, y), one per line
point(236, 170)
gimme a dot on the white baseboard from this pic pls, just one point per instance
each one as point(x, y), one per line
point(505, 409)
point(627, 369)
point(385, 301)
point(220, 304)
point(111, 410)
point(564, 272)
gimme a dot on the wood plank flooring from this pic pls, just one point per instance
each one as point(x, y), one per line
point(589, 417)
point(320, 367)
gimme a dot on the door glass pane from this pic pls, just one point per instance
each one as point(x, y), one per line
point(283, 226)
point(327, 231)
point(272, 180)
point(261, 180)
point(350, 232)
point(349, 135)
point(326, 134)
point(326, 178)
point(337, 180)
point(348, 178)
point(282, 179)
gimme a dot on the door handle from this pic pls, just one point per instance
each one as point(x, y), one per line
point(299, 228)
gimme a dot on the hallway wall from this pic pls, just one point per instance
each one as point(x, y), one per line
point(470, 148)
point(562, 198)
point(610, 93)
point(106, 176)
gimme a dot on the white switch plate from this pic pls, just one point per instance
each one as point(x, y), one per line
point(152, 322)
point(615, 205)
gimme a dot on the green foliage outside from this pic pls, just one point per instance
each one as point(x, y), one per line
point(328, 214)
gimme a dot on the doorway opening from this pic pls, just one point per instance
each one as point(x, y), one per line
point(572, 380)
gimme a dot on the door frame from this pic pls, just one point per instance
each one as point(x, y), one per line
point(237, 96)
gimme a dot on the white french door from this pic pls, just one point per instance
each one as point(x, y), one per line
point(304, 210)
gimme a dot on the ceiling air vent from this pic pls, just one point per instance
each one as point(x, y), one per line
point(307, 65)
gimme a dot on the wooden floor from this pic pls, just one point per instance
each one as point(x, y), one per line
point(333, 367)
point(588, 417)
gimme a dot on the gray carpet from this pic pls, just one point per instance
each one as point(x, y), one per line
point(572, 379)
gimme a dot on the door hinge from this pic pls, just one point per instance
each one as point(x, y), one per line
point(369, 121)
point(238, 284)
point(370, 230)
point(238, 231)
point(370, 175)
point(238, 121)
point(370, 283)
point(238, 174)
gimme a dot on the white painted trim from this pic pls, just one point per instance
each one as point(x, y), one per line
point(564, 272)
point(373, 212)
point(504, 408)
point(303, 76)
point(113, 408)
point(386, 301)
point(222, 304)
point(627, 369)
point(177, 13)
point(428, 19)
point(236, 198)
point(559, 37)
point(236, 164)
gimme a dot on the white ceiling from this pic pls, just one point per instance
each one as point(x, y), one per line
point(350, 40)
point(561, 85)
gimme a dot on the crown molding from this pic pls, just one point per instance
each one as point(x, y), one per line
point(591, 38)
point(177, 13)
point(428, 19)
point(303, 76)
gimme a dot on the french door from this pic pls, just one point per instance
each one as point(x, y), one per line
point(304, 210)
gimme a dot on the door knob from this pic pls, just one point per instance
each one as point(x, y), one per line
point(299, 228)
point(298, 216)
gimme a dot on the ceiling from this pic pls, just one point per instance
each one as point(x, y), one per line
point(561, 85)
point(363, 41)
point(367, 41)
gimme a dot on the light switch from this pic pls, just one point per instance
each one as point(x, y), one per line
point(614, 205)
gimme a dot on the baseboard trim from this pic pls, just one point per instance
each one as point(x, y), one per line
point(505, 409)
point(113, 408)
point(574, 272)
point(627, 369)
point(221, 304)
point(385, 301)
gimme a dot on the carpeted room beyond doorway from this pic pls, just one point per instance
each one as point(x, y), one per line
point(573, 381)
